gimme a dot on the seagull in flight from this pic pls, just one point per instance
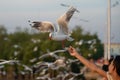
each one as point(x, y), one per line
point(59, 32)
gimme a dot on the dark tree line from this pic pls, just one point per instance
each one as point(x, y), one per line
point(25, 45)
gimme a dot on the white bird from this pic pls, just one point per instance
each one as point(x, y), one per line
point(7, 62)
point(53, 54)
point(60, 32)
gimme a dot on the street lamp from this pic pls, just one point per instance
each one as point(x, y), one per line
point(108, 28)
point(107, 43)
point(107, 51)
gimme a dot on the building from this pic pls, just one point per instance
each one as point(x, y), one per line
point(115, 49)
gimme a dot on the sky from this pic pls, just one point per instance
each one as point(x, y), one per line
point(16, 13)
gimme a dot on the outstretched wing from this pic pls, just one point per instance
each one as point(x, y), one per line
point(43, 26)
point(64, 19)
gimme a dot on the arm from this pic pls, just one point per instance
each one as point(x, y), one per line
point(90, 65)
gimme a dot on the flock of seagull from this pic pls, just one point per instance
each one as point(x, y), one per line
point(56, 70)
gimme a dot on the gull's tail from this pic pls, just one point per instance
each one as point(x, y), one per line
point(70, 38)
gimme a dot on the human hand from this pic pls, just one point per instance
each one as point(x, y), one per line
point(72, 51)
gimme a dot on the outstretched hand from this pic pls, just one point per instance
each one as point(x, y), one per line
point(72, 51)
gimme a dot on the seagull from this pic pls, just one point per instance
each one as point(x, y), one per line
point(53, 54)
point(8, 61)
point(59, 32)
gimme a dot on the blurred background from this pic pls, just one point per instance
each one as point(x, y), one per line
point(27, 54)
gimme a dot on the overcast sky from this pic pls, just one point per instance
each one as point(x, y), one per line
point(14, 13)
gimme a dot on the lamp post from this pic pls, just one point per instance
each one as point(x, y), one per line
point(107, 45)
point(108, 29)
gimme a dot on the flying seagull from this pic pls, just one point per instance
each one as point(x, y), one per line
point(60, 32)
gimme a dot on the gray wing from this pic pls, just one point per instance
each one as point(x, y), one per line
point(64, 20)
point(43, 26)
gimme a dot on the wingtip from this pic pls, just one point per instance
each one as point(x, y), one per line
point(64, 5)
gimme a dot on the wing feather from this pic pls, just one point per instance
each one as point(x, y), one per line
point(64, 20)
point(43, 26)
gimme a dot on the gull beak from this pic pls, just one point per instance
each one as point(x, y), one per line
point(50, 38)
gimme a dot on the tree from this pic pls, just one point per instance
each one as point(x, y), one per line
point(3, 41)
point(88, 44)
point(24, 45)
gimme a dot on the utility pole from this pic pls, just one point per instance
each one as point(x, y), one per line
point(108, 29)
